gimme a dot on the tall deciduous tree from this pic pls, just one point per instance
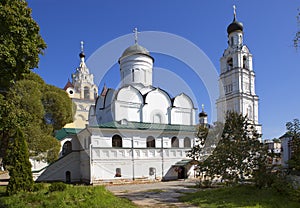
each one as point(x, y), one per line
point(297, 35)
point(18, 165)
point(238, 153)
point(293, 129)
point(38, 110)
point(20, 42)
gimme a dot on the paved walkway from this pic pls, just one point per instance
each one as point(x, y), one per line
point(159, 194)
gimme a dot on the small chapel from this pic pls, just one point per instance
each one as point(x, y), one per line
point(139, 131)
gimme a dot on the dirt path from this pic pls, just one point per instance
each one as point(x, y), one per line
point(160, 194)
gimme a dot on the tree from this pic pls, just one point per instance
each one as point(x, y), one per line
point(38, 110)
point(20, 42)
point(297, 35)
point(293, 129)
point(238, 153)
point(18, 165)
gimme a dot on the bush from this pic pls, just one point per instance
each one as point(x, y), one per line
point(38, 187)
point(204, 184)
point(282, 185)
point(57, 186)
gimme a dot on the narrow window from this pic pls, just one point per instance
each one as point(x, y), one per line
point(132, 73)
point(68, 177)
point(150, 142)
point(95, 94)
point(67, 148)
point(118, 172)
point(174, 142)
point(152, 171)
point(116, 141)
point(244, 62)
point(86, 93)
point(229, 63)
point(187, 142)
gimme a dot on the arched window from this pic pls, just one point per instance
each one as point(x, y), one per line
point(68, 177)
point(116, 141)
point(132, 75)
point(152, 171)
point(245, 62)
point(175, 142)
point(95, 94)
point(249, 112)
point(86, 93)
point(229, 63)
point(67, 148)
point(150, 141)
point(118, 172)
point(157, 118)
point(187, 142)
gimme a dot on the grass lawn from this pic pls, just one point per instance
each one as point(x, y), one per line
point(73, 196)
point(240, 196)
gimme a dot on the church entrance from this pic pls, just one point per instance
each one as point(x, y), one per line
point(181, 172)
point(68, 177)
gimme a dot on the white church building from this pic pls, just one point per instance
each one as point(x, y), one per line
point(138, 131)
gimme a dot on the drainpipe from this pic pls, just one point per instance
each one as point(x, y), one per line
point(91, 165)
point(132, 158)
point(162, 158)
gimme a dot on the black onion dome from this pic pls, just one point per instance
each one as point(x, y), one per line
point(202, 114)
point(235, 26)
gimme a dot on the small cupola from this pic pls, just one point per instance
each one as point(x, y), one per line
point(235, 25)
point(136, 64)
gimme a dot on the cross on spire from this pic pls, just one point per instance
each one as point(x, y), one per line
point(136, 35)
point(234, 11)
point(81, 45)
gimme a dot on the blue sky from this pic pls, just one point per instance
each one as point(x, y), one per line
point(269, 28)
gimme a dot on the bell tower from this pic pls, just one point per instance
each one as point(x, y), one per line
point(82, 91)
point(237, 78)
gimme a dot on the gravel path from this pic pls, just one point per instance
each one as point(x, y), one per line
point(159, 194)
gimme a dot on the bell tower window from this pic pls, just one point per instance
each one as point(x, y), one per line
point(132, 73)
point(244, 62)
point(86, 93)
point(95, 94)
point(229, 63)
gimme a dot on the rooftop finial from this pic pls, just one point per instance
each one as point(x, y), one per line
point(234, 11)
point(81, 46)
point(202, 107)
point(135, 35)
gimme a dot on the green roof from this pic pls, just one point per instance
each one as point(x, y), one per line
point(62, 133)
point(183, 162)
point(146, 126)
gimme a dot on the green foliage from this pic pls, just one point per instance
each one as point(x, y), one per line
point(207, 139)
point(57, 186)
point(27, 105)
point(73, 196)
point(38, 187)
point(20, 42)
point(18, 165)
point(239, 196)
point(238, 152)
point(293, 128)
point(297, 35)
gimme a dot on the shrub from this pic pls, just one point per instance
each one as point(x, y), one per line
point(57, 186)
point(38, 187)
